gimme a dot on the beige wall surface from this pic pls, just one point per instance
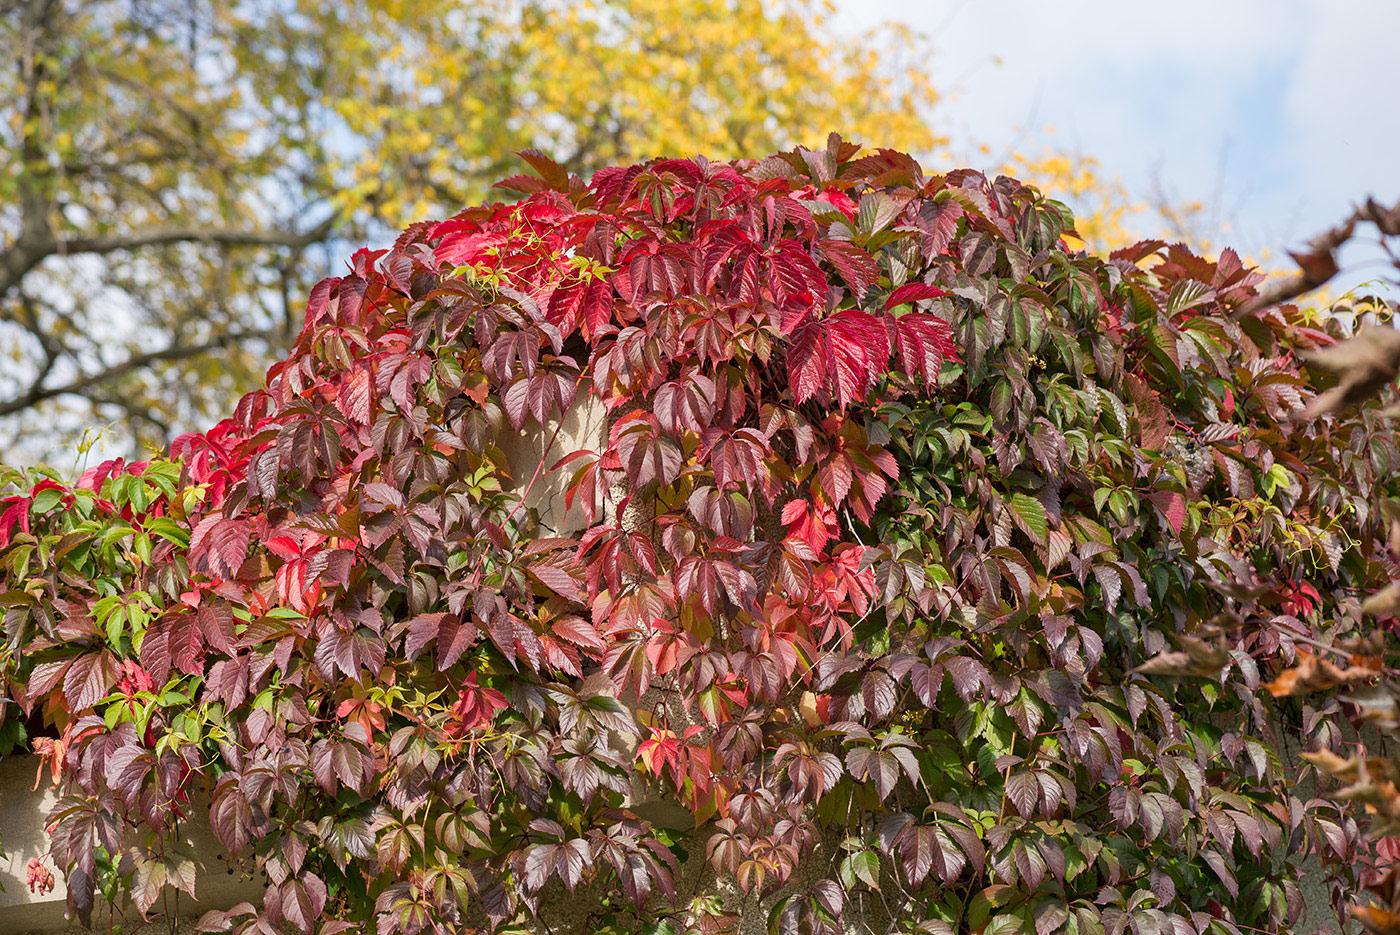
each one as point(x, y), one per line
point(584, 428)
point(23, 811)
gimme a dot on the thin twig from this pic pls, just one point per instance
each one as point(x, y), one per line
point(1318, 263)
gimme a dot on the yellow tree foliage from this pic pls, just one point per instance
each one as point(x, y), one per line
point(177, 169)
point(174, 167)
point(590, 83)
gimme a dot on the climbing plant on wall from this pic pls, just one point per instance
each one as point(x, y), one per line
point(905, 523)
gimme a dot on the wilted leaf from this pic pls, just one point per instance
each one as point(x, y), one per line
point(1315, 673)
point(1383, 603)
point(1198, 660)
point(1364, 364)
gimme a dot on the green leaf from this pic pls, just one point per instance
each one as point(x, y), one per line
point(1030, 516)
point(985, 900)
point(877, 209)
point(863, 866)
point(45, 500)
point(167, 529)
point(1004, 925)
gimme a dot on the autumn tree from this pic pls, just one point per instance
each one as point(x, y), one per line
point(177, 169)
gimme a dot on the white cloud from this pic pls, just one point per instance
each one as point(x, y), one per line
point(1276, 112)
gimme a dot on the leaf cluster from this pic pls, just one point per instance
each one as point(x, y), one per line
point(897, 494)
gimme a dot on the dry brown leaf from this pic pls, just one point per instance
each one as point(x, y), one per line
point(1376, 704)
point(1241, 591)
point(1391, 511)
point(1341, 768)
point(1318, 265)
point(1385, 602)
point(1364, 364)
point(1387, 887)
point(1316, 674)
point(1382, 919)
point(1376, 919)
point(1372, 644)
point(1199, 660)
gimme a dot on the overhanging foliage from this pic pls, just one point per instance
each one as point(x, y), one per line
point(897, 494)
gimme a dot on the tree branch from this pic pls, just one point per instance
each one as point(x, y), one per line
point(1318, 263)
point(79, 386)
point(29, 252)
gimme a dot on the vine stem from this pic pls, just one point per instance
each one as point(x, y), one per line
point(544, 455)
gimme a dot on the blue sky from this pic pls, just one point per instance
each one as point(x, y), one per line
point(1277, 114)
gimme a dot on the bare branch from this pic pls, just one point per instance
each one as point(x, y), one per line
point(1318, 263)
point(27, 253)
point(82, 385)
point(171, 235)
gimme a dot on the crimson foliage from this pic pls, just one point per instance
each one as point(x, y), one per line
point(897, 490)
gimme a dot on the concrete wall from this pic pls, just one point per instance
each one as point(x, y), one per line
point(585, 428)
point(23, 812)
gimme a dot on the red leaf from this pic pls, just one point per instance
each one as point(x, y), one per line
point(218, 545)
point(923, 342)
point(88, 680)
point(937, 222)
point(841, 355)
point(860, 349)
point(856, 266)
point(318, 298)
point(807, 358)
point(173, 640)
point(356, 396)
point(1172, 506)
point(45, 678)
point(16, 514)
point(646, 454)
point(912, 292)
point(454, 638)
point(558, 580)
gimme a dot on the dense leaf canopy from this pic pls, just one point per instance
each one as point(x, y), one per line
point(905, 516)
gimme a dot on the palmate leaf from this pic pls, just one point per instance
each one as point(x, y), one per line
point(937, 222)
point(175, 640)
point(647, 454)
point(550, 172)
point(856, 266)
point(356, 397)
point(923, 342)
point(88, 679)
point(565, 861)
point(914, 292)
point(862, 866)
point(844, 351)
point(685, 405)
point(543, 396)
point(877, 209)
point(219, 544)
